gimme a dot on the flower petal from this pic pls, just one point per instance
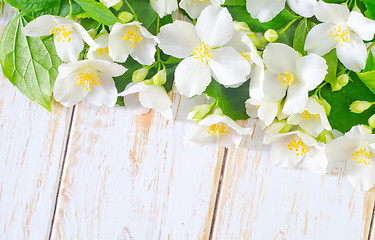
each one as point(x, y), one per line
point(280, 58)
point(85, 36)
point(40, 26)
point(331, 13)
point(264, 10)
point(353, 54)
point(132, 102)
point(280, 154)
point(105, 94)
point(215, 26)
point(68, 51)
point(119, 49)
point(66, 90)
point(311, 70)
point(361, 176)
point(194, 8)
point(272, 87)
point(164, 7)
point(302, 7)
point(199, 135)
point(228, 66)
point(363, 27)
point(296, 98)
point(109, 68)
point(145, 51)
point(340, 149)
point(178, 39)
point(192, 77)
point(155, 97)
point(257, 82)
point(319, 41)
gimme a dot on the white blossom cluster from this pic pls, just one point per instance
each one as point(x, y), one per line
point(210, 46)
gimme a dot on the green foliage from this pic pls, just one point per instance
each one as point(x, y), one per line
point(97, 11)
point(29, 63)
point(340, 117)
point(230, 100)
point(240, 14)
point(368, 74)
point(235, 3)
point(370, 5)
point(301, 32)
point(35, 5)
point(143, 10)
point(332, 61)
point(65, 8)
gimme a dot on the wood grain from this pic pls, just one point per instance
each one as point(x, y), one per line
point(260, 201)
point(136, 177)
point(31, 148)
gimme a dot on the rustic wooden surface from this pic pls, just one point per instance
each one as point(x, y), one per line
point(97, 173)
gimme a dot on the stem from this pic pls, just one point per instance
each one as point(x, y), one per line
point(131, 9)
point(369, 48)
point(319, 88)
point(287, 26)
point(71, 9)
point(157, 48)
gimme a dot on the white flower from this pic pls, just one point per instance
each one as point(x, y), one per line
point(220, 128)
point(263, 109)
point(297, 148)
point(312, 118)
point(87, 78)
point(141, 98)
point(195, 7)
point(67, 34)
point(131, 38)
point(266, 10)
point(243, 44)
point(102, 52)
point(164, 7)
point(110, 3)
point(357, 149)
point(342, 30)
point(289, 73)
point(200, 45)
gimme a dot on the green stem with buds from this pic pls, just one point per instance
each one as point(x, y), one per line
point(131, 9)
point(287, 26)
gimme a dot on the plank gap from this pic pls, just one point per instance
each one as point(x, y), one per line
point(370, 233)
point(218, 193)
point(65, 150)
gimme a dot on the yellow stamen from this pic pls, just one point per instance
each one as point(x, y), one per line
point(217, 129)
point(203, 53)
point(133, 36)
point(340, 35)
point(61, 34)
point(362, 155)
point(286, 78)
point(299, 146)
point(101, 50)
point(307, 115)
point(87, 80)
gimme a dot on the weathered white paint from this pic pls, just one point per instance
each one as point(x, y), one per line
point(260, 201)
point(31, 145)
point(135, 177)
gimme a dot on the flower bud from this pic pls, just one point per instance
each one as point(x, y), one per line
point(340, 82)
point(359, 106)
point(371, 121)
point(325, 136)
point(160, 77)
point(241, 26)
point(271, 35)
point(140, 75)
point(92, 33)
point(125, 17)
point(199, 112)
point(259, 41)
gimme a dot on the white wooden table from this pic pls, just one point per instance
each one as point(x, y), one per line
point(96, 173)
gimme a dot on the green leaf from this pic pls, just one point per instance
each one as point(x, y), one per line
point(65, 8)
point(230, 100)
point(34, 5)
point(29, 63)
point(331, 61)
point(340, 117)
point(334, 1)
point(302, 30)
point(240, 14)
point(235, 3)
point(97, 11)
point(145, 13)
point(370, 63)
point(370, 4)
point(368, 78)
point(287, 37)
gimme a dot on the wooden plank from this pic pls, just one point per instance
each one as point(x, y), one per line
point(260, 201)
point(31, 150)
point(136, 177)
